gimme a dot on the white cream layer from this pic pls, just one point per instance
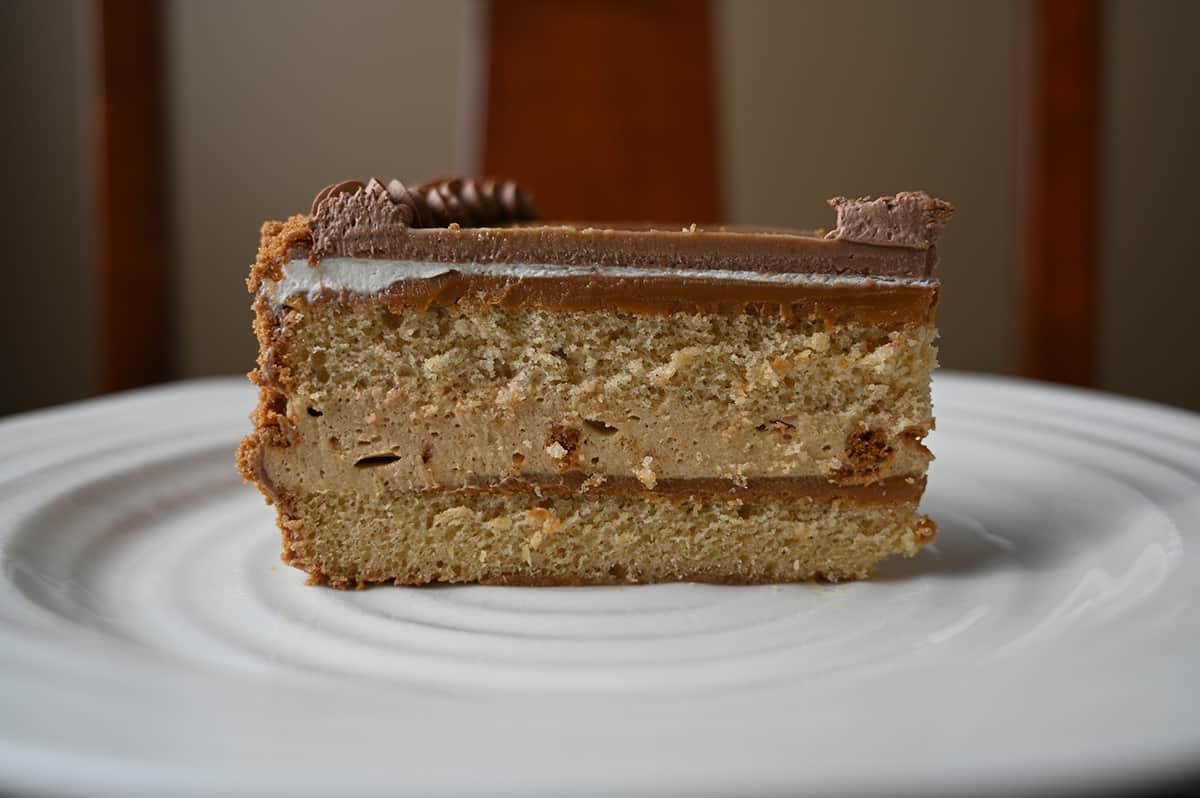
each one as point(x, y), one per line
point(370, 276)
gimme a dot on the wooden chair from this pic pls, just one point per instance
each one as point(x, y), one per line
point(595, 144)
point(132, 285)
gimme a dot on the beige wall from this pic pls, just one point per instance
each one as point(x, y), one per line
point(1151, 223)
point(46, 310)
point(274, 99)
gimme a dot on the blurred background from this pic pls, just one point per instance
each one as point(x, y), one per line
point(145, 141)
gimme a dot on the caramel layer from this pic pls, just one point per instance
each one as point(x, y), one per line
point(887, 491)
point(897, 489)
point(868, 301)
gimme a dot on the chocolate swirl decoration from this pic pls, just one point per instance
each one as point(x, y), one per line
point(438, 203)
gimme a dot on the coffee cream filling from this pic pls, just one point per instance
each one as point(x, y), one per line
point(365, 276)
point(358, 444)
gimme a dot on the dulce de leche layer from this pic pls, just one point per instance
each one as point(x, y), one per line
point(869, 301)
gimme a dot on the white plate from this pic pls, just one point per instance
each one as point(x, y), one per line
point(151, 642)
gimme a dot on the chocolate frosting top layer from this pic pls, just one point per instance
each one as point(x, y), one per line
point(489, 221)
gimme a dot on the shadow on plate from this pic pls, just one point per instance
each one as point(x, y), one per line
point(964, 547)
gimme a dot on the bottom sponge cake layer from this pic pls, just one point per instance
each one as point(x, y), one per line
point(349, 539)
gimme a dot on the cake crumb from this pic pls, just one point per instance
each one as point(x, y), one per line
point(738, 477)
point(452, 514)
point(593, 481)
point(680, 359)
point(549, 521)
point(436, 365)
point(646, 474)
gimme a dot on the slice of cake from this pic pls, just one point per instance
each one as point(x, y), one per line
point(450, 392)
